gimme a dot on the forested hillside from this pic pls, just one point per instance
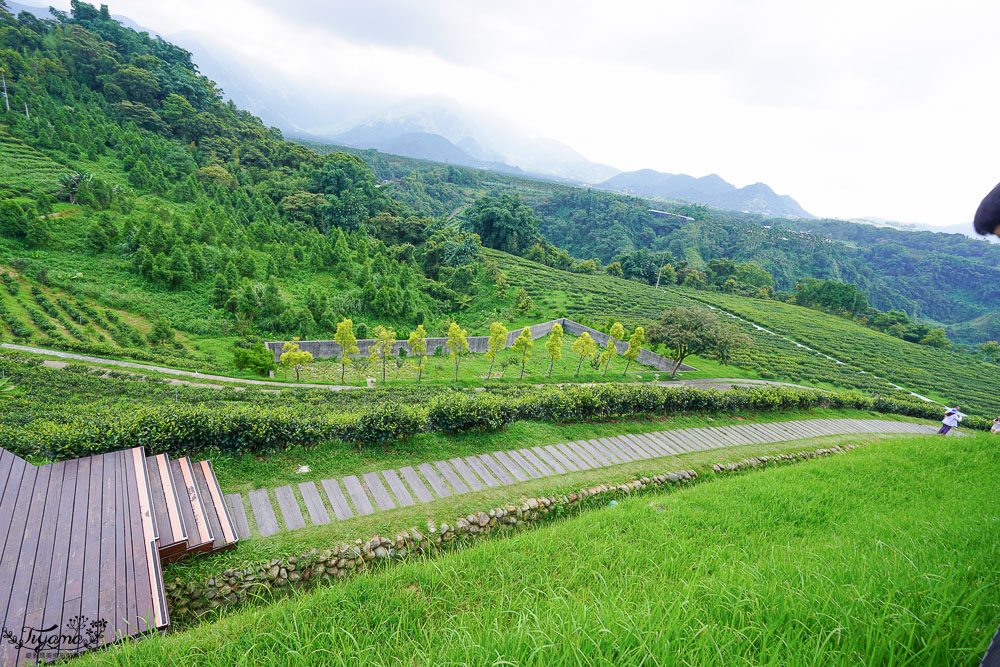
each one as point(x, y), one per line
point(942, 279)
point(130, 183)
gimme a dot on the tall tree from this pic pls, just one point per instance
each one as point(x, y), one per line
point(523, 345)
point(554, 346)
point(687, 331)
point(348, 344)
point(585, 347)
point(457, 343)
point(385, 339)
point(634, 347)
point(418, 348)
point(497, 342)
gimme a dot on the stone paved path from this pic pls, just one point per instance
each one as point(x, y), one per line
point(373, 492)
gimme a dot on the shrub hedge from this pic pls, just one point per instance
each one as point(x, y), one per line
point(187, 428)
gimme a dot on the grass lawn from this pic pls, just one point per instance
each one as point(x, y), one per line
point(885, 555)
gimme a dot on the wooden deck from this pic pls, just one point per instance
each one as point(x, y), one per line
point(81, 543)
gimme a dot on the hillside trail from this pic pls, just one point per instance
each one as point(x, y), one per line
point(205, 380)
point(808, 349)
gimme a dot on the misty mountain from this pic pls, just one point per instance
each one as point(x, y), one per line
point(963, 228)
point(710, 190)
point(484, 138)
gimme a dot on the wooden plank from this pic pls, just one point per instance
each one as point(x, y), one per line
point(550, 460)
point(175, 519)
point(457, 485)
point(222, 511)
point(52, 605)
point(263, 512)
point(78, 542)
point(107, 572)
point(210, 510)
point(411, 477)
point(512, 467)
point(289, 507)
point(470, 478)
point(202, 528)
point(314, 503)
point(398, 488)
point(89, 600)
point(138, 471)
point(160, 520)
point(561, 458)
point(434, 479)
point(145, 564)
point(21, 491)
point(124, 585)
point(522, 464)
point(6, 463)
point(184, 504)
point(362, 503)
point(498, 470)
point(477, 466)
point(378, 491)
point(8, 523)
point(48, 558)
point(338, 502)
point(239, 514)
point(129, 531)
point(27, 559)
point(540, 465)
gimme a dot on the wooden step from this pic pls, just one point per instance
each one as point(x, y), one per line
point(140, 474)
point(216, 511)
point(199, 532)
point(170, 530)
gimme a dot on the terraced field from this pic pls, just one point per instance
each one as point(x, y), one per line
point(24, 169)
point(597, 297)
point(950, 376)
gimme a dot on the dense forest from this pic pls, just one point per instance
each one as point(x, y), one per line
point(118, 150)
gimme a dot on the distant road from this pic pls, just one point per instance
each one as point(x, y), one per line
point(204, 379)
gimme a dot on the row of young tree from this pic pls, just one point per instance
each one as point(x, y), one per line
point(681, 331)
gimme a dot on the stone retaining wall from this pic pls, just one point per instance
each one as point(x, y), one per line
point(328, 349)
point(233, 587)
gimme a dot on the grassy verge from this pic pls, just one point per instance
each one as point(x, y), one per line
point(879, 556)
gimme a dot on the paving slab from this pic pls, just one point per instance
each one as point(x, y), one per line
point(314, 503)
point(470, 477)
point(617, 447)
point(397, 487)
point(596, 452)
point(582, 453)
point(413, 479)
point(341, 508)
point(561, 458)
point(263, 512)
point(234, 501)
point(362, 503)
point(378, 491)
point(627, 443)
point(477, 466)
point(664, 445)
point(549, 460)
point(540, 465)
point(516, 457)
point(513, 468)
point(498, 470)
point(654, 444)
point(457, 485)
point(434, 479)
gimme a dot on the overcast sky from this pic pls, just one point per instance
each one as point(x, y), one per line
point(855, 108)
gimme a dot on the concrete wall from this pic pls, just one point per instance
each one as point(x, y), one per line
point(328, 349)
